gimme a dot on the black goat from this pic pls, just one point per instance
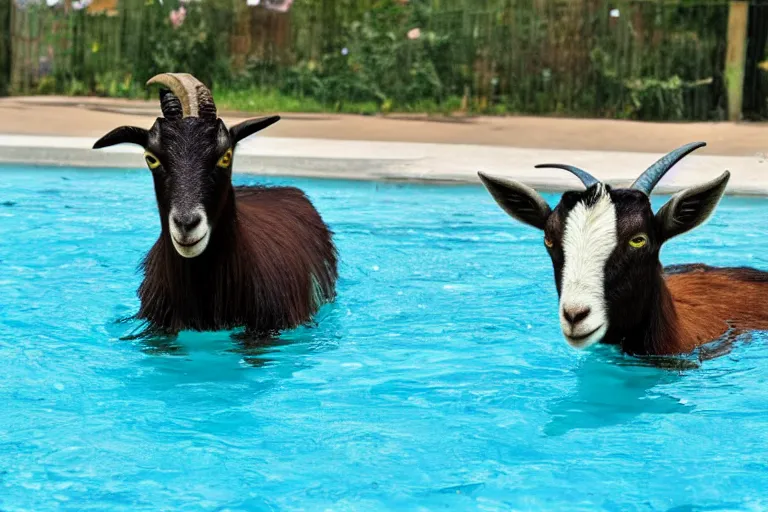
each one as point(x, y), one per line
point(255, 257)
point(604, 244)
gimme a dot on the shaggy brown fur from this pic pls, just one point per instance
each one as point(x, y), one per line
point(710, 302)
point(269, 266)
point(692, 305)
point(253, 257)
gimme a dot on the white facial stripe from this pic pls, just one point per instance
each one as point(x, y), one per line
point(588, 241)
point(197, 237)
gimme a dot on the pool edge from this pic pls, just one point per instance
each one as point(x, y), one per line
point(404, 162)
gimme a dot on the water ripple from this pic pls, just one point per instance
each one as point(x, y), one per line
point(439, 378)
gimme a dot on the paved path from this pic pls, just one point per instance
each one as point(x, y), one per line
point(60, 131)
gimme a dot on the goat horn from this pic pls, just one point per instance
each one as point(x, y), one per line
point(587, 179)
point(170, 105)
point(195, 98)
point(651, 177)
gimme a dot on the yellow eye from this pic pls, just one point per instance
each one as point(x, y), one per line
point(226, 159)
point(638, 241)
point(548, 242)
point(152, 160)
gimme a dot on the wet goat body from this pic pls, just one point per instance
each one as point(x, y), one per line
point(604, 244)
point(255, 257)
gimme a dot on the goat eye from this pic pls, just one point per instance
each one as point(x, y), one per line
point(549, 243)
point(225, 159)
point(638, 241)
point(152, 160)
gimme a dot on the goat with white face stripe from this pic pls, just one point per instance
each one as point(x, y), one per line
point(604, 244)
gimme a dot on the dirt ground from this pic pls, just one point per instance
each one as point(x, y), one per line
point(92, 117)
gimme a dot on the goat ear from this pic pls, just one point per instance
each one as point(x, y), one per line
point(518, 200)
point(251, 126)
point(123, 135)
point(690, 207)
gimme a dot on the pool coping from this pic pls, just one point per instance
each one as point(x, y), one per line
point(406, 162)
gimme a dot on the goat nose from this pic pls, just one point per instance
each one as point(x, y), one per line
point(577, 314)
point(187, 222)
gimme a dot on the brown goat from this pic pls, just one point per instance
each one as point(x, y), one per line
point(708, 303)
point(255, 257)
point(604, 244)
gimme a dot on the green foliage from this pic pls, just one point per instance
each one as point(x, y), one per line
point(393, 66)
point(374, 62)
point(264, 100)
point(116, 84)
point(657, 60)
point(273, 100)
point(199, 45)
point(47, 85)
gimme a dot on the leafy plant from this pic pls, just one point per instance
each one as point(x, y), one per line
point(197, 44)
point(625, 59)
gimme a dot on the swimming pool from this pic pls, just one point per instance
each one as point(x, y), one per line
point(438, 380)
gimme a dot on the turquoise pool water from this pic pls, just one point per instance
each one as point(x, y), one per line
point(438, 381)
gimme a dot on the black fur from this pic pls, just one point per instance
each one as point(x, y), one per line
point(270, 262)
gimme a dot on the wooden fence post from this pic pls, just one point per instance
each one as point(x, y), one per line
point(735, 57)
point(5, 46)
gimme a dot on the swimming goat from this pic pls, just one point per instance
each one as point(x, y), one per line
point(227, 257)
point(604, 244)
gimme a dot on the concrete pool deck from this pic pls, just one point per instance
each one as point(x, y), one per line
point(61, 131)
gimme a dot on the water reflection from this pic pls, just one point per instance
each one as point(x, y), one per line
point(255, 350)
point(613, 389)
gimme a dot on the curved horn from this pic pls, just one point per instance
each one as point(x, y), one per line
point(650, 178)
point(195, 98)
point(170, 105)
point(587, 179)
